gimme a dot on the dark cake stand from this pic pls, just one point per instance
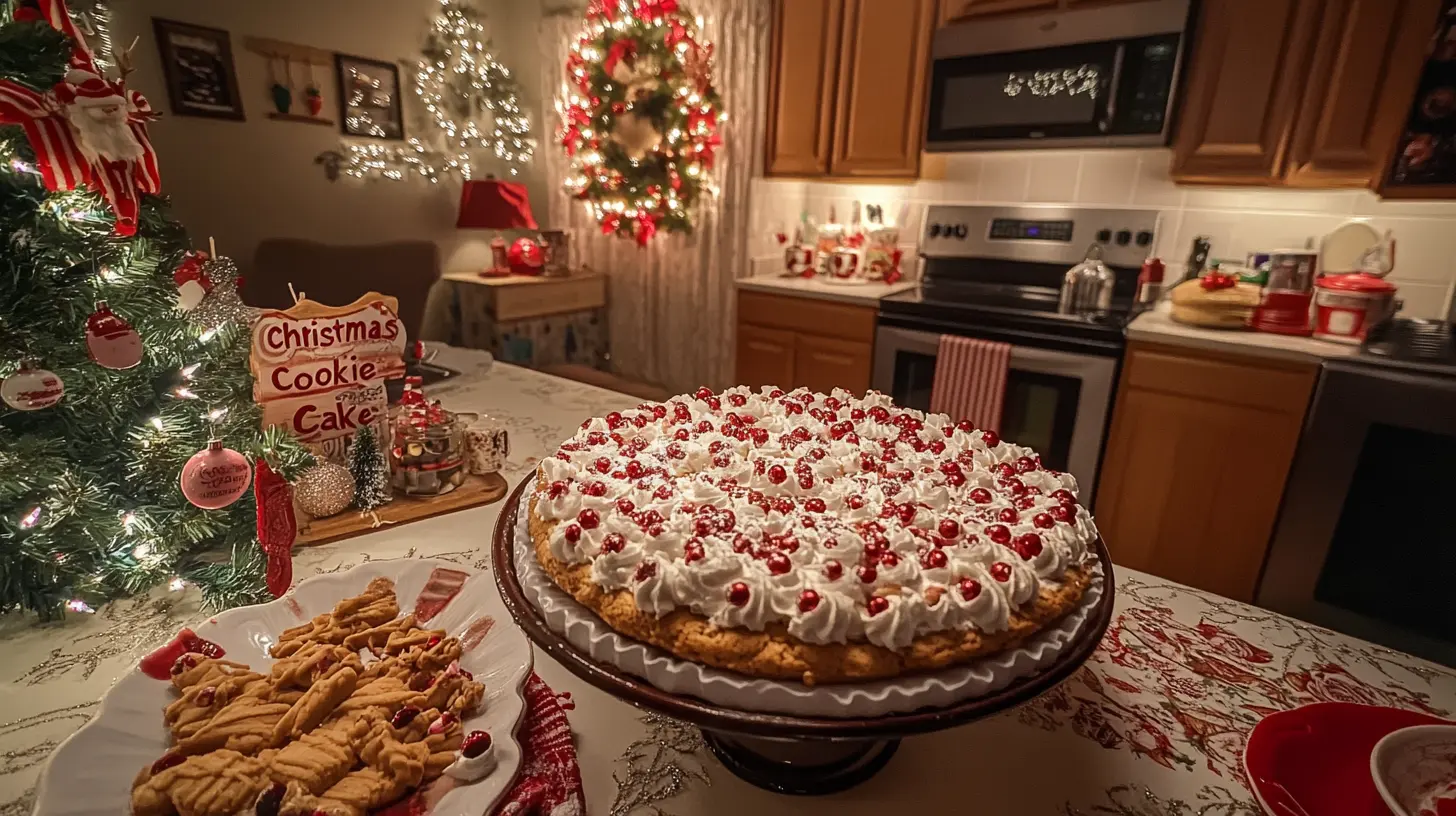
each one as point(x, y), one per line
point(780, 752)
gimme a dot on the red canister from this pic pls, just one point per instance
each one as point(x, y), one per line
point(1346, 306)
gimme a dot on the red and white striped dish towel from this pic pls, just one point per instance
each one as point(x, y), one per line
point(970, 380)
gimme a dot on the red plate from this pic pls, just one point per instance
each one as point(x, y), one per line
point(1315, 759)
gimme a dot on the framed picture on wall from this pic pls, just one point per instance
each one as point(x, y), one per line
point(198, 65)
point(369, 103)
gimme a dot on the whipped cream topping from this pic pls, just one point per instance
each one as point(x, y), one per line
point(472, 769)
point(841, 518)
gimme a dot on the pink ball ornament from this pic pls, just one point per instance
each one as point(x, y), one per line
point(215, 477)
point(525, 257)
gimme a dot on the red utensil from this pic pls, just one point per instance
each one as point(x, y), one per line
point(1315, 759)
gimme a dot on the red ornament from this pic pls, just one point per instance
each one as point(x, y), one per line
point(111, 341)
point(215, 477)
point(277, 528)
point(525, 257)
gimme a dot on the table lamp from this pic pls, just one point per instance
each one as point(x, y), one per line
point(496, 205)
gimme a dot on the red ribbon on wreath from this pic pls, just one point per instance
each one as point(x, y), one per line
point(1214, 281)
point(86, 131)
point(623, 50)
point(646, 228)
point(655, 8)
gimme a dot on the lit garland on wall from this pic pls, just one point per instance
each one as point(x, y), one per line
point(640, 117)
point(459, 82)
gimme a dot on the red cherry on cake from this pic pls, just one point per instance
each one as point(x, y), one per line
point(703, 526)
point(1027, 546)
point(1025, 464)
point(742, 543)
point(991, 438)
point(588, 519)
point(999, 533)
point(965, 425)
point(645, 570)
point(1064, 496)
point(1043, 520)
point(934, 559)
point(832, 570)
point(1015, 485)
point(970, 588)
point(791, 407)
point(625, 506)
point(777, 474)
point(857, 414)
point(937, 447)
point(877, 604)
point(889, 559)
point(572, 533)
point(866, 573)
point(777, 563)
point(737, 400)
point(981, 495)
point(614, 420)
point(595, 489)
point(635, 469)
point(949, 528)
point(1001, 571)
point(1008, 515)
point(806, 481)
point(1063, 512)
point(738, 593)
point(675, 451)
point(855, 501)
point(662, 492)
point(703, 392)
point(1004, 470)
point(613, 543)
point(906, 512)
point(558, 489)
point(815, 505)
point(602, 465)
point(682, 435)
point(714, 403)
point(808, 600)
point(692, 551)
point(404, 716)
point(474, 744)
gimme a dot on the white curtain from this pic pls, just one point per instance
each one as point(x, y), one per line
point(670, 305)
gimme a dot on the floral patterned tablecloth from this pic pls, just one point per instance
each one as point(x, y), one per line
point(1153, 725)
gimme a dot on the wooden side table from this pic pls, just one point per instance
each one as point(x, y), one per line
point(533, 321)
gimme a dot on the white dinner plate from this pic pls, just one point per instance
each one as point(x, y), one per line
point(91, 773)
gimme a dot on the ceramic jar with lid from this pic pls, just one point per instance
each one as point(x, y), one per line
point(1346, 306)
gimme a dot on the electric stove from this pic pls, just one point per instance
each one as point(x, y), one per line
point(995, 273)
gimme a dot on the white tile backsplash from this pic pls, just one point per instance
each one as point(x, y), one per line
point(1237, 220)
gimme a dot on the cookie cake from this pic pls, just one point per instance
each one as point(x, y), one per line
point(821, 538)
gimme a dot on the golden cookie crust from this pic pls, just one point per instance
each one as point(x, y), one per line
point(777, 655)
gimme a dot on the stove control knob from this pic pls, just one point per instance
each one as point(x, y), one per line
point(1104, 235)
point(1124, 237)
point(934, 230)
point(961, 231)
point(1144, 238)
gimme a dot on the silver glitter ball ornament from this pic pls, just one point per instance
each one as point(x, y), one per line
point(324, 490)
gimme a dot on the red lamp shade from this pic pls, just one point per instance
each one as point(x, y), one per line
point(491, 204)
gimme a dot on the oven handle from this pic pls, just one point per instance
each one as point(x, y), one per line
point(1102, 348)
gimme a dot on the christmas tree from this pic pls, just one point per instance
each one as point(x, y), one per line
point(460, 84)
point(90, 505)
point(371, 474)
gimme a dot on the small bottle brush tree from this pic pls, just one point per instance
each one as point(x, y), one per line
point(370, 471)
point(90, 505)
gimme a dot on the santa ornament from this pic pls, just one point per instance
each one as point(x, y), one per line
point(111, 341)
point(87, 131)
point(215, 477)
point(193, 284)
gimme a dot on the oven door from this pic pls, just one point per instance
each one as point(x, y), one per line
point(1365, 542)
point(1056, 401)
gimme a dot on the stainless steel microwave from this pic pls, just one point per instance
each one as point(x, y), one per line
point(1096, 77)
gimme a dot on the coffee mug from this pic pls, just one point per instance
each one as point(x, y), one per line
point(799, 261)
point(847, 263)
point(487, 444)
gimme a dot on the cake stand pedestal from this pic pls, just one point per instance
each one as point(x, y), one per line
point(781, 752)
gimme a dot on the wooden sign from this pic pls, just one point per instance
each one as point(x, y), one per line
point(319, 370)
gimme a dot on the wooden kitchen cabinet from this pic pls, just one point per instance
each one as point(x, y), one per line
point(1197, 456)
point(958, 9)
point(1298, 92)
point(847, 84)
point(792, 341)
point(803, 83)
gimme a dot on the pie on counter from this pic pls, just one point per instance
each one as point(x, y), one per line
point(361, 708)
point(824, 538)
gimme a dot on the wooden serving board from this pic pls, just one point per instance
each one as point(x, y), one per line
point(475, 491)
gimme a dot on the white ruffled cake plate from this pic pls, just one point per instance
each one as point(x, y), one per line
point(593, 637)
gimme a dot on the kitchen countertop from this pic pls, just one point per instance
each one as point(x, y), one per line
point(867, 294)
point(1157, 326)
point(1155, 722)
